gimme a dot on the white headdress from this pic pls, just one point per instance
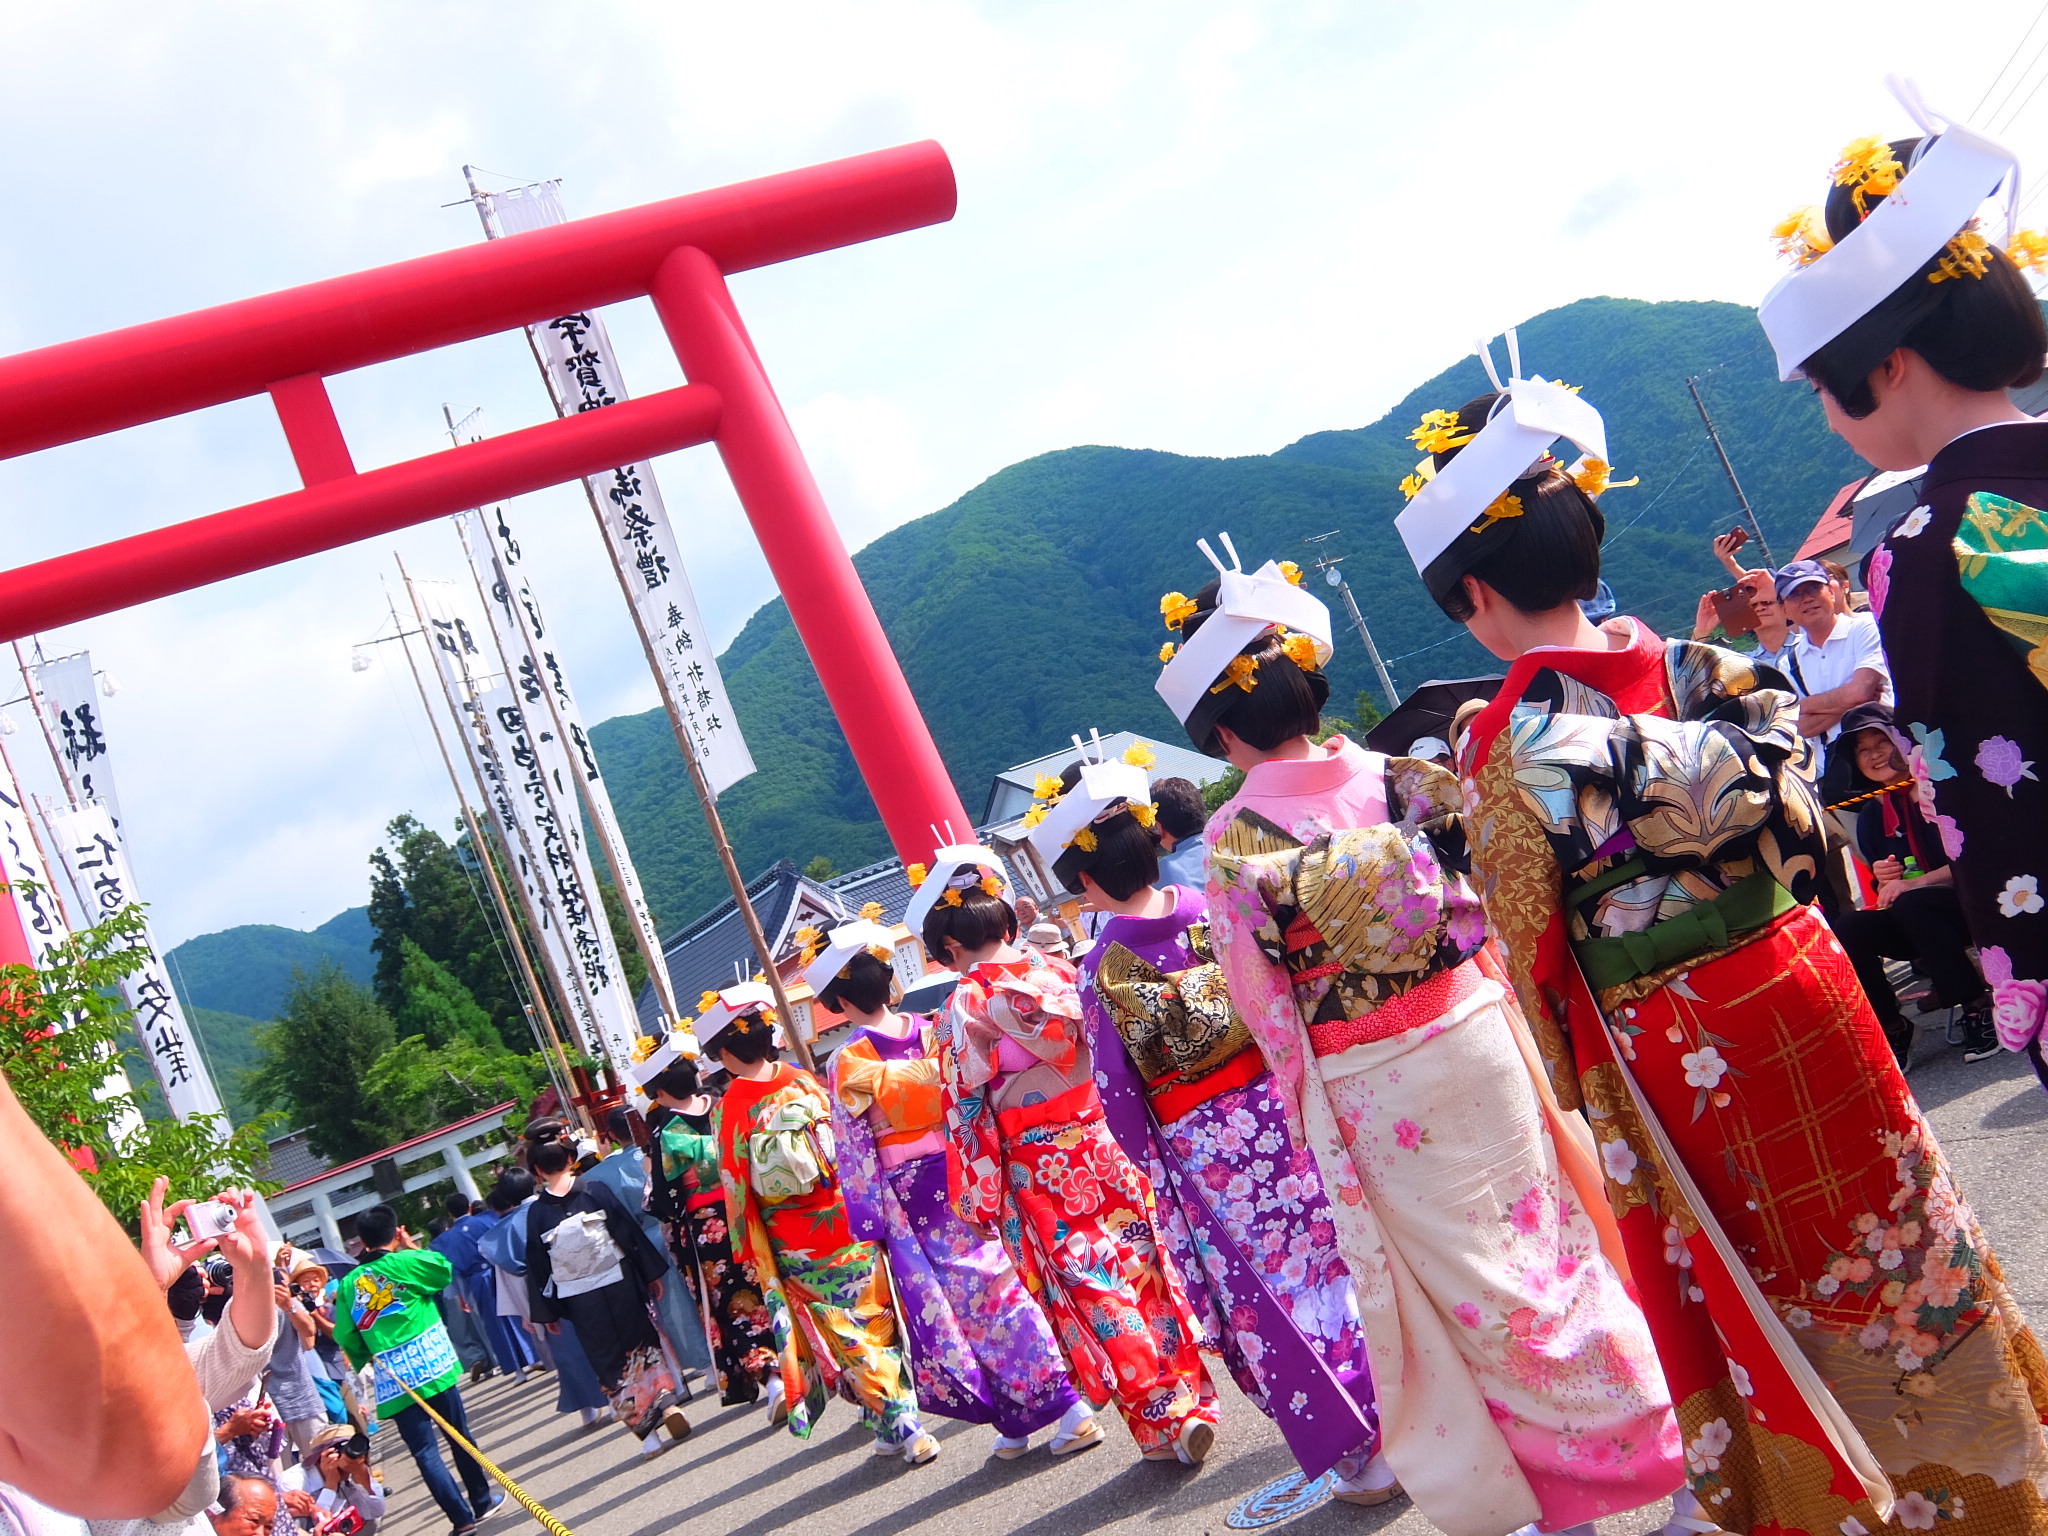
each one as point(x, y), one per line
point(1937, 200)
point(1530, 415)
point(956, 868)
point(730, 1005)
point(841, 945)
point(655, 1054)
point(1106, 788)
point(1247, 605)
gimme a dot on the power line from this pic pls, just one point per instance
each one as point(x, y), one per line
point(2018, 82)
point(2016, 47)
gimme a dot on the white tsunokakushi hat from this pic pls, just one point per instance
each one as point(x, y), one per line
point(1248, 603)
point(842, 944)
point(1937, 201)
point(655, 1054)
point(1059, 818)
point(956, 868)
point(1469, 491)
point(729, 1005)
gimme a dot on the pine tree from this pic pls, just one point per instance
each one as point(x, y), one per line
point(316, 1058)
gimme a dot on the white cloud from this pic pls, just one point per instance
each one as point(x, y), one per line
point(1206, 227)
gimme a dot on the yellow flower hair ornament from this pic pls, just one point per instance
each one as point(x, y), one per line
point(1869, 169)
point(951, 898)
point(992, 886)
point(1177, 608)
point(1505, 506)
point(1802, 237)
point(1083, 840)
point(2028, 249)
point(1048, 788)
point(881, 953)
point(1291, 571)
point(1138, 755)
point(1034, 816)
point(707, 1002)
point(1411, 485)
point(1144, 813)
point(1440, 432)
point(1166, 651)
point(809, 942)
point(1969, 254)
point(645, 1046)
point(1595, 478)
point(1301, 650)
point(915, 874)
point(1241, 673)
point(872, 912)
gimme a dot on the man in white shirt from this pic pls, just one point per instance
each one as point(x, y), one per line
point(1836, 660)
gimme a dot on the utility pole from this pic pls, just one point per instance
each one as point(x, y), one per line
point(1328, 564)
point(1749, 513)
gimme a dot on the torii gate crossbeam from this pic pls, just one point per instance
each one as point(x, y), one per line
point(679, 253)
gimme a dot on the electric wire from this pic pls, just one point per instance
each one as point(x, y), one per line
point(2016, 47)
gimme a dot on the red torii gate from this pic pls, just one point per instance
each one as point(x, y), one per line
point(676, 252)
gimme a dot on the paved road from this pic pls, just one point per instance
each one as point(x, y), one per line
point(736, 1477)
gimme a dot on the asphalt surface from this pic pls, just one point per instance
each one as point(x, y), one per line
point(737, 1477)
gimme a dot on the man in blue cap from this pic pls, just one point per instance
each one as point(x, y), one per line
point(1836, 660)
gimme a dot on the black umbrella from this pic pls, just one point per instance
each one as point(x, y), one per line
point(1428, 712)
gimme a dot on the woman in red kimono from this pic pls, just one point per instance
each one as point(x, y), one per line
point(1036, 1161)
point(1840, 1343)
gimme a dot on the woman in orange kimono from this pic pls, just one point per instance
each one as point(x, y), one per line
point(1840, 1343)
point(827, 1290)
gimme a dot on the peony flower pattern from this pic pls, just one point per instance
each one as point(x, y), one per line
point(1999, 759)
point(1878, 579)
point(1914, 523)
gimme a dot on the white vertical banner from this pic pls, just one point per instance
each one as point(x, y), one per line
point(29, 884)
point(76, 716)
point(537, 778)
point(543, 686)
point(89, 847)
point(473, 723)
point(583, 375)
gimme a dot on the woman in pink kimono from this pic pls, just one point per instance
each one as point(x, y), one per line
point(1517, 1383)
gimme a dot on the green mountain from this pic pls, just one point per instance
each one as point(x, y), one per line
point(247, 970)
point(1028, 609)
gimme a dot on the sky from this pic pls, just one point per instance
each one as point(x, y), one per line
point(1202, 227)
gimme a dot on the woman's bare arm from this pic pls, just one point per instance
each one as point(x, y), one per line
point(100, 1413)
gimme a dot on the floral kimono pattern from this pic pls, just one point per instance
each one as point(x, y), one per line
point(1838, 1337)
point(1250, 1229)
point(1076, 1217)
point(728, 1294)
point(827, 1291)
point(980, 1348)
point(1960, 589)
point(1515, 1377)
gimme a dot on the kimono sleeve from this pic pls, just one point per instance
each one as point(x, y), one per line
point(540, 1269)
point(1245, 893)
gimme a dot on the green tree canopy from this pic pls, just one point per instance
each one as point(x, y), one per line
point(434, 1005)
point(316, 1057)
point(431, 893)
point(61, 1028)
point(416, 1087)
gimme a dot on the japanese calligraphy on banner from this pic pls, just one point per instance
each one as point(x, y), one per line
point(538, 782)
point(89, 848)
point(28, 882)
point(543, 689)
point(583, 375)
point(76, 717)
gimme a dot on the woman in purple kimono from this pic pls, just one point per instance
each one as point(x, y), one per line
point(979, 1347)
point(1188, 1096)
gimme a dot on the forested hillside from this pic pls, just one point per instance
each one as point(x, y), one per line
point(1029, 608)
point(248, 970)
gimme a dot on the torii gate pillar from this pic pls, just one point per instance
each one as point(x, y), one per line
point(679, 252)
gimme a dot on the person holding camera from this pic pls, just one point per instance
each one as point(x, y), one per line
point(229, 1360)
point(289, 1378)
point(385, 1314)
point(333, 1478)
point(251, 1437)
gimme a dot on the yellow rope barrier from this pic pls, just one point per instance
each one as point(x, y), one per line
point(533, 1507)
